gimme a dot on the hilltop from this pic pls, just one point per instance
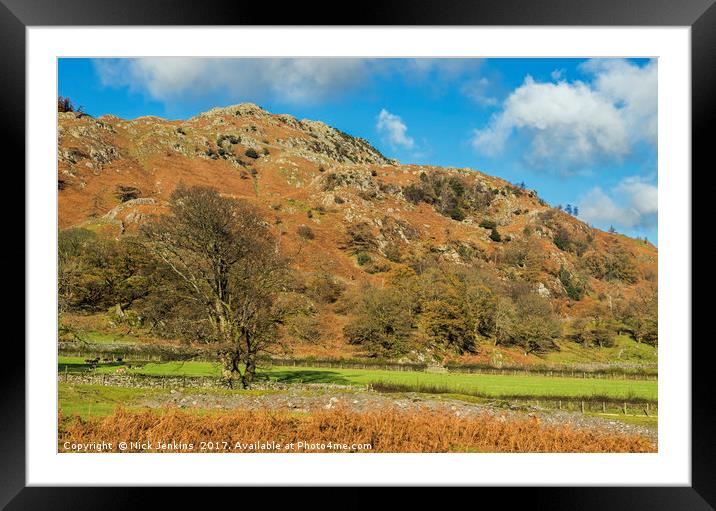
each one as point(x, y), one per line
point(349, 217)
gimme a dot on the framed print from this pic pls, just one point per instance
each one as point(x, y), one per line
point(435, 247)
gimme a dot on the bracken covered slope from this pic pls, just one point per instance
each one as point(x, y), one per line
point(329, 196)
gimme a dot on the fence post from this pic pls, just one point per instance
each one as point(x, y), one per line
point(582, 406)
point(625, 408)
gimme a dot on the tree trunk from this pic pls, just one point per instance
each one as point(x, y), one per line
point(231, 361)
point(247, 377)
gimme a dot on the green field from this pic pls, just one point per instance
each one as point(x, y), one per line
point(100, 400)
point(96, 400)
point(488, 385)
point(625, 350)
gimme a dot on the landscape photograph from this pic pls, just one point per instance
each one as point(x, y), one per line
point(357, 255)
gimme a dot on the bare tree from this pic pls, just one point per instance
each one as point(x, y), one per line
point(227, 261)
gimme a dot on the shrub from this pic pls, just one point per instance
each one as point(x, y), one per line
point(392, 252)
point(481, 197)
point(468, 252)
point(457, 186)
point(324, 288)
point(456, 214)
point(251, 153)
point(305, 328)
point(516, 254)
point(367, 195)
point(126, 193)
point(616, 264)
point(495, 236)
point(362, 258)
point(359, 238)
point(376, 267)
point(562, 239)
point(449, 204)
point(306, 232)
point(594, 333)
point(488, 224)
point(331, 182)
point(232, 139)
point(413, 193)
point(574, 287)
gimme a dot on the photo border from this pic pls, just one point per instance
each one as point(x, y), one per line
point(700, 15)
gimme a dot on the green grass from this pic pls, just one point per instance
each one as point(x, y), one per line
point(625, 350)
point(97, 400)
point(77, 364)
point(487, 385)
point(651, 421)
point(109, 338)
point(484, 384)
point(504, 395)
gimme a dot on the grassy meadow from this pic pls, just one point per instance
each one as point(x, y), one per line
point(484, 384)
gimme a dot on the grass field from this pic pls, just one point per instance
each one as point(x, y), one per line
point(625, 350)
point(100, 400)
point(488, 385)
point(96, 400)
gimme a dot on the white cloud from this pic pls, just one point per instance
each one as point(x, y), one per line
point(573, 125)
point(558, 74)
point(565, 121)
point(478, 91)
point(633, 88)
point(633, 202)
point(394, 130)
point(440, 69)
point(289, 80)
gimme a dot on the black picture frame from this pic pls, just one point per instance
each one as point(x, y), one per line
point(700, 15)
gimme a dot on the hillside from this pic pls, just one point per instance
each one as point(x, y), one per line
point(347, 216)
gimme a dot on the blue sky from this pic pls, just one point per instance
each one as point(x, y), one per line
point(579, 131)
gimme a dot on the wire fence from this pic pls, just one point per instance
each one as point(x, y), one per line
point(166, 354)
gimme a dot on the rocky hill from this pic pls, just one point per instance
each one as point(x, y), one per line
point(342, 208)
